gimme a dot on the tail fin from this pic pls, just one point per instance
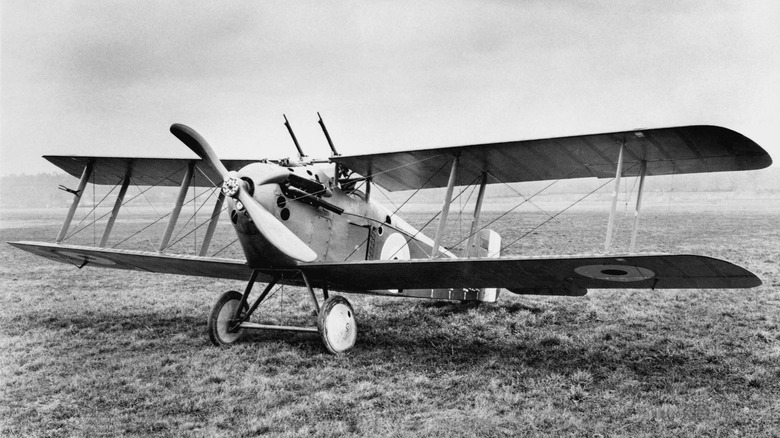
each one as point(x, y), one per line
point(488, 244)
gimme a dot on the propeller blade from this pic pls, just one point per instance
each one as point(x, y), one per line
point(200, 146)
point(274, 231)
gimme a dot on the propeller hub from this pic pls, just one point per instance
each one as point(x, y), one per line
point(231, 187)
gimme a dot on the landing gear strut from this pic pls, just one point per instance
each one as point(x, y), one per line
point(229, 318)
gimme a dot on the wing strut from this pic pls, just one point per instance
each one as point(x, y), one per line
point(212, 224)
point(642, 174)
point(475, 220)
point(185, 185)
point(445, 208)
point(85, 175)
point(120, 198)
point(611, 223)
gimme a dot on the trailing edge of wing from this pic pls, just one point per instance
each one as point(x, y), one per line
point(686, 149)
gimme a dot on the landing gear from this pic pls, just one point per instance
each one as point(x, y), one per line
point(223, 327)
point(229, 318)
point(336, 323)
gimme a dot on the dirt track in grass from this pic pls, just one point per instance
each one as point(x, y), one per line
point(96, 352)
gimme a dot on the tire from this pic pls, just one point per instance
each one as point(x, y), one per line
point(219, 318)
point(337, 325)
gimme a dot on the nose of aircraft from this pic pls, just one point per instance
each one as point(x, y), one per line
point(238, 188)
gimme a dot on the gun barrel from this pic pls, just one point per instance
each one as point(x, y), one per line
point(327, 136)
point(292, 134)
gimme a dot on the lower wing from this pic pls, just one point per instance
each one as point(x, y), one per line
point(544, 275)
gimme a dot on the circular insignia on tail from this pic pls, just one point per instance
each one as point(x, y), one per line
point(622, 273)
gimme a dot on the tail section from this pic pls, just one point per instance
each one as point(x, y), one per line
point(488, 245)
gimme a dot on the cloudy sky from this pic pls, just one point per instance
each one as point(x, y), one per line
point(109, 77)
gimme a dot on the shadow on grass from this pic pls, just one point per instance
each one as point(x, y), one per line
point(450, 307)
point(139, 322)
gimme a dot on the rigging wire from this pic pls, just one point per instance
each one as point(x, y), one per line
point(510, 210)
point(225, 247)
point(194, 230)
point(559, 213)
point(551, 218)
point(526, 199)
point(142, 193)
point(437, 215)
point(401, 206)
point(92, 212)
point(192, 218)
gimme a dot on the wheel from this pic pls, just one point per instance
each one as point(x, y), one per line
point(336, 324)
point(219, 319)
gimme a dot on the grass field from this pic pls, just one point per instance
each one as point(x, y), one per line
point(98, 352)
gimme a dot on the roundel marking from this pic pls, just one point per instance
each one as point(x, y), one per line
point(93, 260)
point(621, 273)
point(395, 248)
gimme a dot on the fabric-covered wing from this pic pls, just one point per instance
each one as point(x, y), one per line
point(144, 171)
point(554, 275)
point(548, 275)
point(139, 260)
point(687, 149)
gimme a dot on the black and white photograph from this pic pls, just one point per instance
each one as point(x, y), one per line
point(345, 219)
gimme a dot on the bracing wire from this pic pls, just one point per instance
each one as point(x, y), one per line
point(225, 247)
point(92, 212)
point(551, 218)
point(192, 217)
point(558, 214)
point(195, 228)
point(528, 199)
point(401, 206)
point(437, 215)
point(142, 193)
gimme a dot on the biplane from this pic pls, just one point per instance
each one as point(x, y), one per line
point(314, 223)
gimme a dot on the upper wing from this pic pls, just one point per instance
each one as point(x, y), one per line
point(144, 171)
point(549, 275)
point(688, 149)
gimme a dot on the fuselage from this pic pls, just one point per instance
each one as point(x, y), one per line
point(335, 218)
